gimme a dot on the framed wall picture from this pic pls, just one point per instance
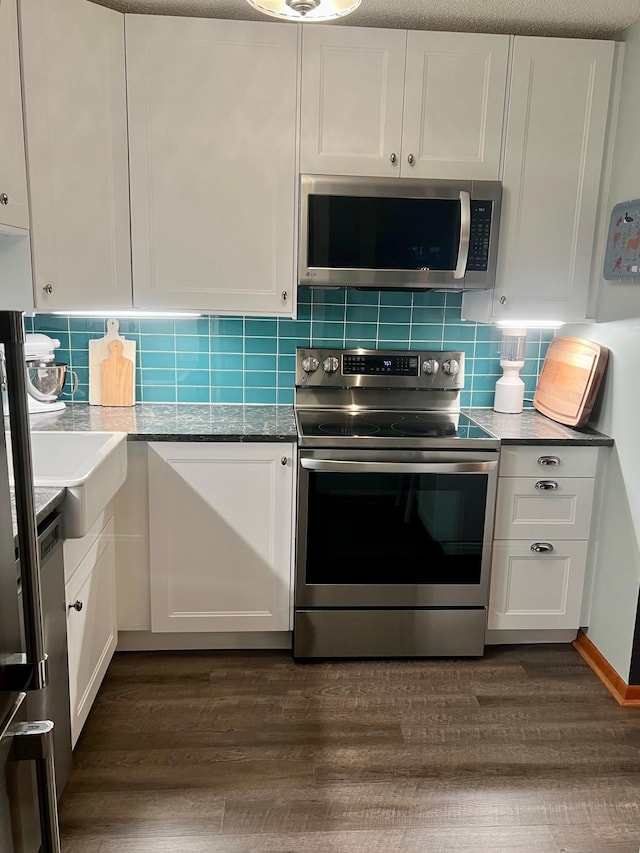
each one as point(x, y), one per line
point(622, 253)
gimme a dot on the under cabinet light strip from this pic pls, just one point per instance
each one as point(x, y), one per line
point(118, 313)
point(530, 324)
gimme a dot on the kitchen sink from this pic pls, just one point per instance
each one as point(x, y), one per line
point(90, 465)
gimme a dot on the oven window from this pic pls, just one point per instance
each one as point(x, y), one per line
point(395, 528)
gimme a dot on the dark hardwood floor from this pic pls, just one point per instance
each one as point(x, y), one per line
point(522, 751)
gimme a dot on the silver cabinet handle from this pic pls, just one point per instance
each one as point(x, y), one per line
point(411, 159)
point(503, 300)
point(77, 605)
point(548, 460)
point(393, 157)
point(285, 295)
point(283, 460)
point(546, 485)
point(465, 233)
point(4, 198)
point(542, 547)
point(48, 289)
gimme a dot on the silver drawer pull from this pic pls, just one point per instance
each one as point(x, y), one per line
point(542, 547)
point(548, 460)
point(546, 485)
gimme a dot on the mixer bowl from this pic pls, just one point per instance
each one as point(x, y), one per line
point(45, 380)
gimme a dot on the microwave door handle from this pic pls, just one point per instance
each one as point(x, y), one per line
point(465, 233)
point(349, 466)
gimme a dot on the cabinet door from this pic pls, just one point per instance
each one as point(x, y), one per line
point(75, 110)
point(352, 92)
point(212, 134)
point(558, 107)
point(92, 632)
point(220, 536)
point(14, 210)
point(454, 105)
point(536, 590)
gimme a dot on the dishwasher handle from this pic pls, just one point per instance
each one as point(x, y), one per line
point(353, 467)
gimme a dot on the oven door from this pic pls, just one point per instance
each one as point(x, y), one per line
point(384, 529)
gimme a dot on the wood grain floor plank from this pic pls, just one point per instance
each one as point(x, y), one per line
point(477, 802)
point(215, 769)
point(536, 839)
point(142, 814)
point(346, 764)
point(244, 734)
point(597, 839)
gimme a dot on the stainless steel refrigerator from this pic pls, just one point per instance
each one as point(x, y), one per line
point(32, 683)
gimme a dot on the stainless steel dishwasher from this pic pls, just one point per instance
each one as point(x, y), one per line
point(52, 703)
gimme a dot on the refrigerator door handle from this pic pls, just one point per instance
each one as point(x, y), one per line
point(32, 672)
point(34, 742)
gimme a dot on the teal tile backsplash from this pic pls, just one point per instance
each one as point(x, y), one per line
point(251, 360)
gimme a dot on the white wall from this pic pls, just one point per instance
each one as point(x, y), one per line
point(617, 568)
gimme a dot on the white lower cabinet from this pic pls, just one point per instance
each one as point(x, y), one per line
point(537, 589)
point(221, 520)
point(92, 632)
point(541, 538)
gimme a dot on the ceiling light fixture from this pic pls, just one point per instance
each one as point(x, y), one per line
point(305, 10)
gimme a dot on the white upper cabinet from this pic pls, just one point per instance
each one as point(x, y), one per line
point(14, 211)
point(76, 131)
point(558, 108)
point(388, 103)
point(454, 105)
point(212, 135)
point(352, 92)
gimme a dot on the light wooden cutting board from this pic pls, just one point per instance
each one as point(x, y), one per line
point(108, 367)
point(569, 380)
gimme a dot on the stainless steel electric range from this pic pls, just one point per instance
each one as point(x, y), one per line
point(396, 493)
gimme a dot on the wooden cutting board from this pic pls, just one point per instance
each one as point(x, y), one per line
point(569, 381)
point(118, 391)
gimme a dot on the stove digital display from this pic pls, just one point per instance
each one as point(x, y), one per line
point(379, 365)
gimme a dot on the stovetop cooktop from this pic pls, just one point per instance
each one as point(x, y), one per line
point(333, 427)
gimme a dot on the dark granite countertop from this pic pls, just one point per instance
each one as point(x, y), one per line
point(225, 422)
point(530, 427)
point(46, 500)
point(176, 422)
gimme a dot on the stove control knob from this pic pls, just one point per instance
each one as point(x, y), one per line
point(451, 367)
point(310, 364)
point(330, 364)
point(430, 366)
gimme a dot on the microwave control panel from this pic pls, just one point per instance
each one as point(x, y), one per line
point(478, 258)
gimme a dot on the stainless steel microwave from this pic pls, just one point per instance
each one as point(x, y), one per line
point(383, 233)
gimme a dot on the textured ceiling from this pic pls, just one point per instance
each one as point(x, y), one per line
point(572, 18)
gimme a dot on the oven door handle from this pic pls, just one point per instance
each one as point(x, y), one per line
point(349, 466)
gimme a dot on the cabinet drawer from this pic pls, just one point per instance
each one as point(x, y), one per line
point(525, 509)
point(548, 461)
point(536, 590)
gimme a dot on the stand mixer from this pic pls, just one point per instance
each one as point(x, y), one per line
point(45, 376)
